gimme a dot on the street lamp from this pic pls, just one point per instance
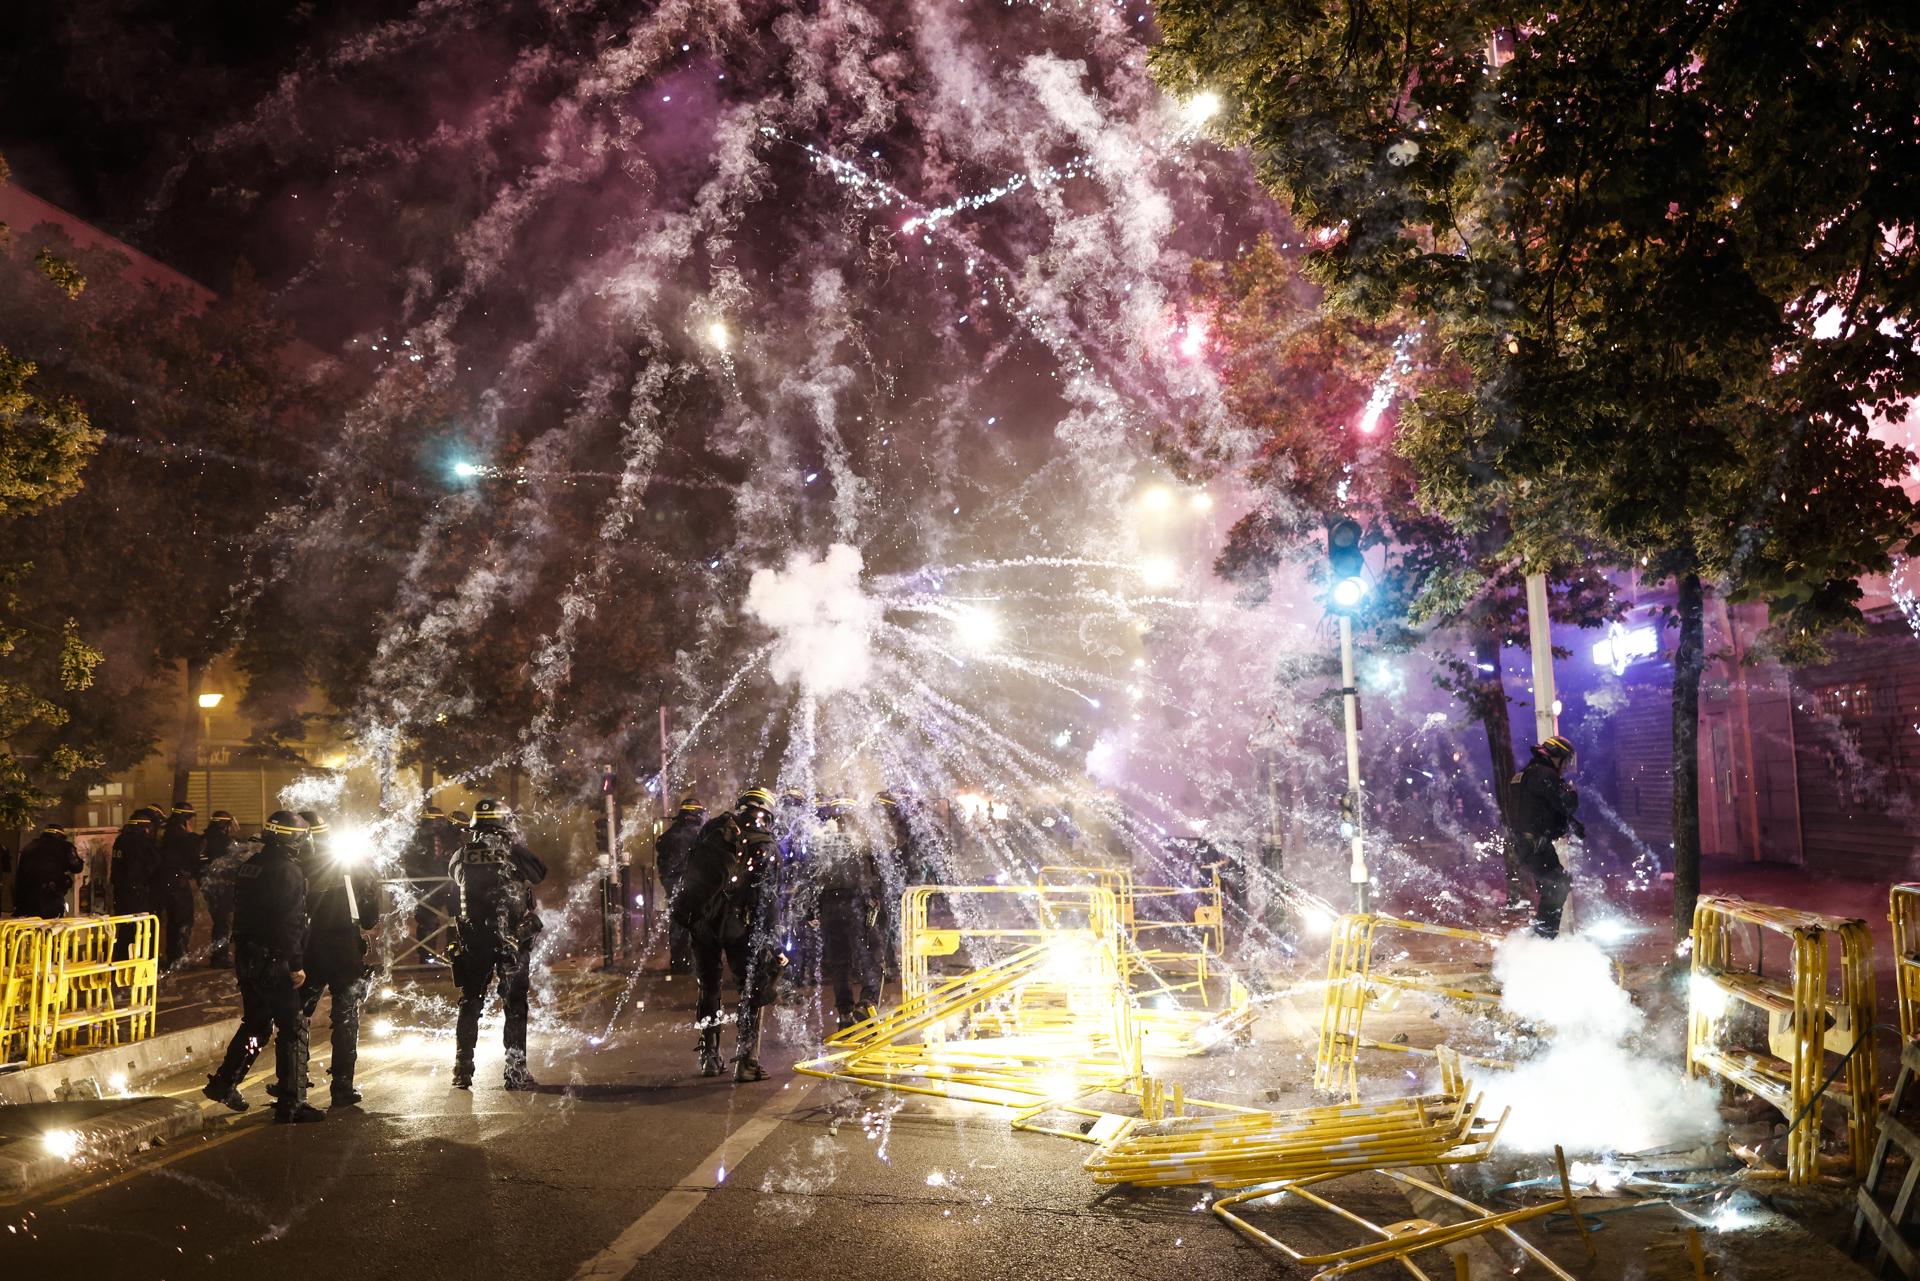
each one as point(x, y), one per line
point(1346, 562)
point(210, 701)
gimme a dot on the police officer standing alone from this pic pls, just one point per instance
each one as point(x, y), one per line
point(269, 938)
point(45, 875)
point(341, 908)
point(727, 905)
point(173, 883)
point(1543, 806)
point(670, 851)
point(220, 859)
point(494, 875)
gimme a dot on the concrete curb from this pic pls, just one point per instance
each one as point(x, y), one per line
point(119, 1132)
point(91, 1076)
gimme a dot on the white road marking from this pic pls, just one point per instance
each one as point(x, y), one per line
point(671, 1210)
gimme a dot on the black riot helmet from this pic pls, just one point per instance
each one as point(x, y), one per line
point(285, 830)
point(491, 815)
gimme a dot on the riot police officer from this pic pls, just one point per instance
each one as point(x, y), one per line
point(494, 875)
point(269, 938)
point(180, 853)
point(340, 908)
point(45, 874)
point(221, 854)
point(136, 859)
point(845, 895)
point(727, 905)
point(670, 851)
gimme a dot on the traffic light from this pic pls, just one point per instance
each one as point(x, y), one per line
point(1349, 815)
point(1345, 565)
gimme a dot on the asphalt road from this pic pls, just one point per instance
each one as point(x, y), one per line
point(624, 1163)
point(627, 1164)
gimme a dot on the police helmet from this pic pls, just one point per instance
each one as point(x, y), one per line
point(691, 806)
point(316, 826)
point(458, 818)
point(220, 816)
point(434, 811)
point(185, 809)
point(57, 829)
point(757, 798)
point(284, 826)
point(491, 813)
point(1555, 749)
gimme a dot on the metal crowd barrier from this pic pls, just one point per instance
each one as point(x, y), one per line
point(1806, 1021)
point(1353, 984)
point(423, 911)
point(1186, 1000)
point(74, 984)
point(1905, 915)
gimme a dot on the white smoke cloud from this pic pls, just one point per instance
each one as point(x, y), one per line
point(822, 618)
point(1595, 1089)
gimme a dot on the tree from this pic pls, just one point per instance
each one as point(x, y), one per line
point(1321, 388)
point(1672, 246)
point(45, 443)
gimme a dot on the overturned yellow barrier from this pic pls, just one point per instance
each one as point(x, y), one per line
point(21, 946)
point(1400, 1242)
point(1353, 983)
point(1806, 1021)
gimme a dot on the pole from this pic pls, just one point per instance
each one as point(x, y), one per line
point(606, 867)
point(1546, 703)
point(1350, 704)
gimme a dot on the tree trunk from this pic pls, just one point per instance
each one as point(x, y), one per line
point(426, 782)
point(187, 751)
point(1689, 660)
point(1496, 716)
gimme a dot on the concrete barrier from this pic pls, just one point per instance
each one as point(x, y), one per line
point(93, 1076)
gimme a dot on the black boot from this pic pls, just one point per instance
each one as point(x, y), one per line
point(345, 1096)
point(463, 1076)
point(517, 1076)
point(222, 1091)
point(274, 1091)
point(746, 1057)
point(711, 1063)
point(297, 1114)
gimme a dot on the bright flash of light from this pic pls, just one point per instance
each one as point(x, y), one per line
point(977, 629)
point(1317, 921)
point(386, 994)
point(718, 336)
point(1612, 930)
point(1193, 340)
point(1594, 1174)
point(970, 804)
point(1348, 593)
point(117, 1083)
point(1156, 498)
point(936, 1180)
point(1707, 997)
point(1159, 571)
point(1201, 501)
point(466, 470)
point(383, 1027)
point(353, 846)
point(64, 1144)
point(1201, 108)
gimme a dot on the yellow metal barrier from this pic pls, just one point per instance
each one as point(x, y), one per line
point(62, 991)
point(1905, 915)
point(1806, 1021)
point(1399, 1242)
point(1186, 1001)
point(1353, 984)
point(20, 949)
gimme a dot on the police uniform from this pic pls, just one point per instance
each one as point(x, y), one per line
point(174, 871)
point(220, 858)
point(136, 859)
point(842, 899)
point(727, 905)
point(269, 937)
point(341, 907)
point(45, 874)
point(1543, 808)
point(494, 876)
point(670, 852)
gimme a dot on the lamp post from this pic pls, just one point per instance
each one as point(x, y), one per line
point(1346, 563)
point(208, 702)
